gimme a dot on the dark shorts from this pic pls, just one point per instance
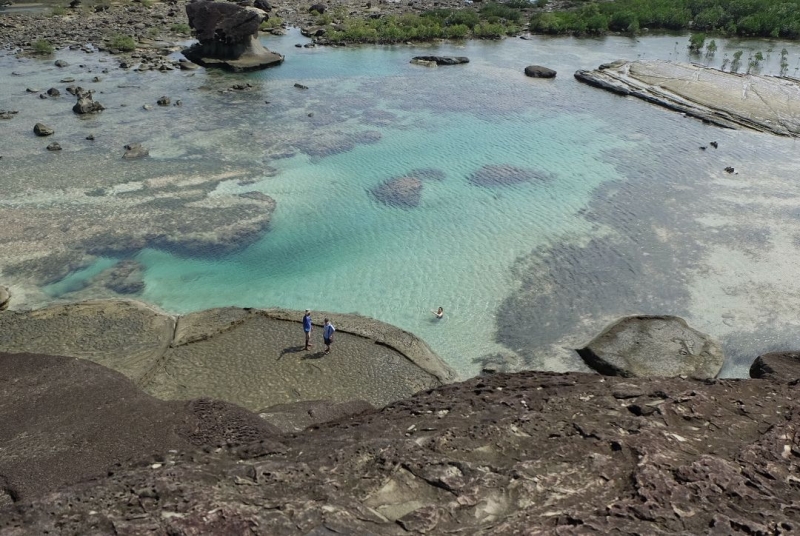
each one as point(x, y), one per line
point(328, 342)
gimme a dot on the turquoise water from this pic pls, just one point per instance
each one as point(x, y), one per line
point(628, 216)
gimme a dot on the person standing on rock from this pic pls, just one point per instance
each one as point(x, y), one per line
point(307, 327)
point(327, 335)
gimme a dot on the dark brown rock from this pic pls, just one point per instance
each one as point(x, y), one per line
point(537, 71)
point(67, 419)
point(777, 366)
point(86, 103)
point(527, 453)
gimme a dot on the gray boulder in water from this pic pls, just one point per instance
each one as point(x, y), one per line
point(646, 346)
point(537, 71)
point(228, 37)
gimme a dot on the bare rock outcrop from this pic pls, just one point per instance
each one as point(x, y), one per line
point(731, 100)
point(228, 37)
point(645, 346)
point(526, 453)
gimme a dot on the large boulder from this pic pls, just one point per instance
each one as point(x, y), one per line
point(778, 366)
point(537, 71)
point(405, 192)
point(40, 129)
point(228, 37)
point(645, 346)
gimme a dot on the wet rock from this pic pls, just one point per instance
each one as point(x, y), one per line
point(404, 192)
point(53, 92)
point(777, 366)
point(729, 169)
point(40, 129)
point(644, 346)
point(61, 63)
point(5, 298)
point(67, 80)
point(263, 5)
point(8, 114)
point(319, 8)
point(86, 103)
point(298, 85)
point(90, 137)
point(228, 37)
point(55, 146)
point(186, 65)
point(443, 60)
point(163, 101)
point(505, 175)
point(424, 63)
point(537, 71)
point(135, 150)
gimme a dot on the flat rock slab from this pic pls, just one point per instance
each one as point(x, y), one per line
point(66, 419)
point(645, 346)
point(762, 103)
point(253, 359)
point(250, 357)
point(126, 336)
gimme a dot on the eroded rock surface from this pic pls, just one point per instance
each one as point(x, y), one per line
point(228, 37)
point(527, 453)
point(647, 346)
point(732, 100)
point(67, 419)
point(249, 357)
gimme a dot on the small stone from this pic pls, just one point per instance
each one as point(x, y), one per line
point(300, 86)
point(135, 150)
point(67, 80)
point(55, 146)
point(40, 129)
point(61, 63)
point(53, 92)
point(163, 101)
point(147, 107)
point(90, 137)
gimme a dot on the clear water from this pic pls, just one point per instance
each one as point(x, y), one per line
point(633, 219)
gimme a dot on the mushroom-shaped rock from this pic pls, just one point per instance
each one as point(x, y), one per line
point(441, 60)
point(778, 366)
point(5, 298)
point(644, 346)
point(40, 129)
point(86, 103)
point(228, 37)
point(537, 71)
point(404, 192)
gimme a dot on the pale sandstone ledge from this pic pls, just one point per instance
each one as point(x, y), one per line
point(763, 103)
point(250, 357)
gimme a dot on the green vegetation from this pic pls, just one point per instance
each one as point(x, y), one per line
point(756, 18)
point(181, 28)
point(121, 42)
point(58, 11)
point(696, 42)
point(147, 3)
point(42, 47)
point(491, 22)
point(270, 23)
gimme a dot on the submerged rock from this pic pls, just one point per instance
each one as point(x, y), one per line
point(505, 175)
point(126, 277)
point(644, 346)
point(228, 37)
point(404, 192)
point(442, 60)
point(135, 150)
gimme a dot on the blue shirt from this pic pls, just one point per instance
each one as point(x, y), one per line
point(307, 323)
point(328, 330)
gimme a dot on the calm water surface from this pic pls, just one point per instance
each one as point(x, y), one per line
point(627, 214)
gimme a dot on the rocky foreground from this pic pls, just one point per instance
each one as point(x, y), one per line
point(526, 453)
